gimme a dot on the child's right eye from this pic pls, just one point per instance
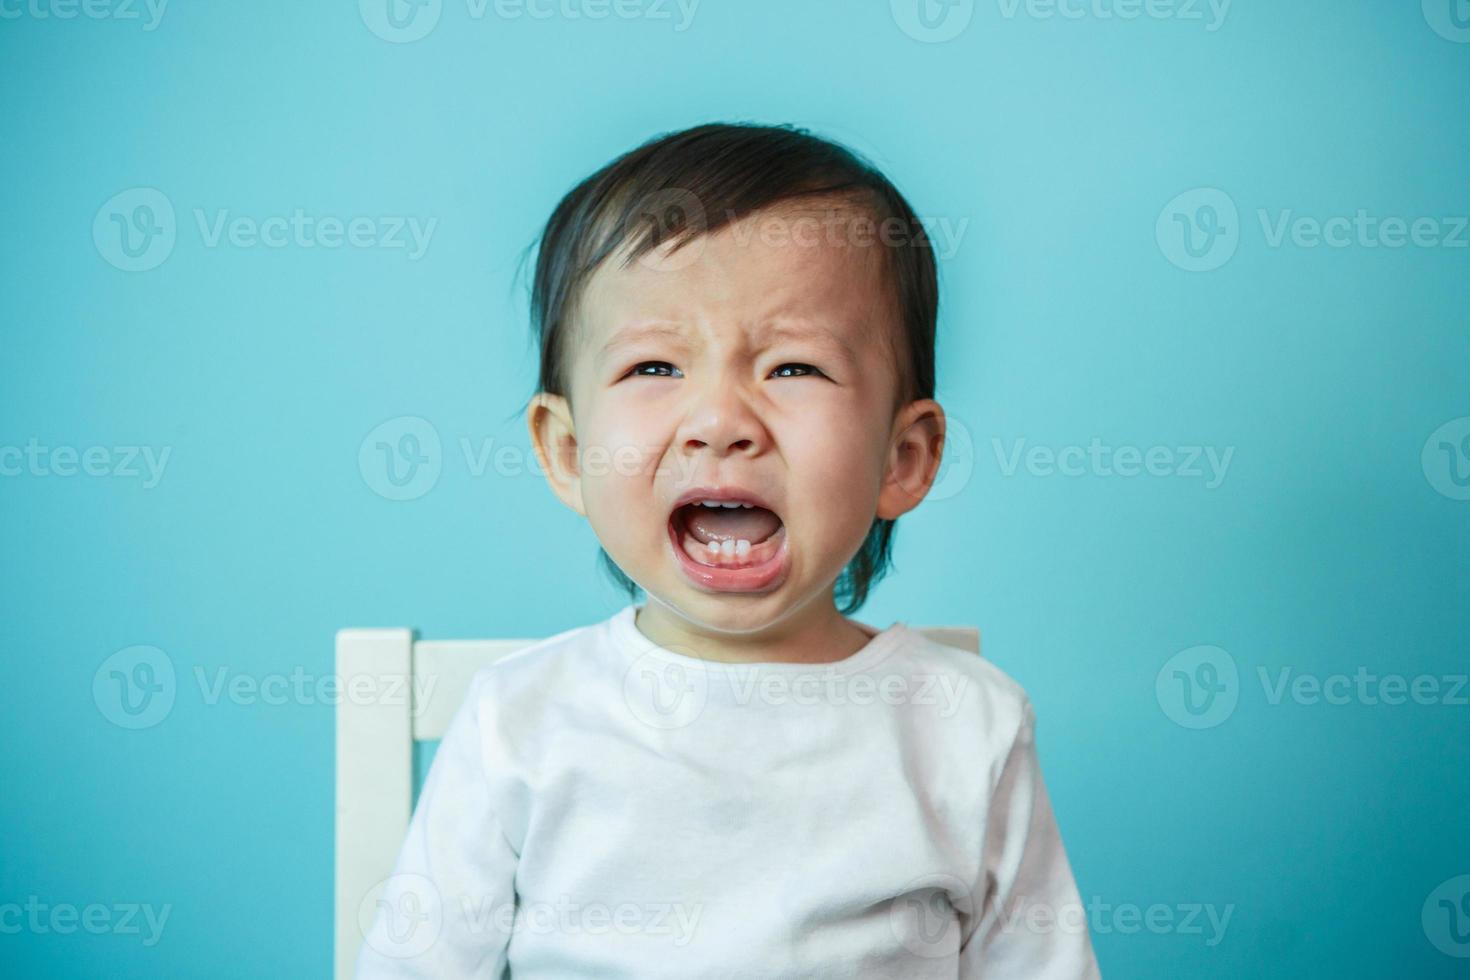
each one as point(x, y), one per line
point(655, 369)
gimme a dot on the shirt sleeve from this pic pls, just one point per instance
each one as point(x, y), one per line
point(1029, 919)
point(447, 910)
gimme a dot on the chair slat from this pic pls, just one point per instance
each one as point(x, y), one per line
point(374, 774)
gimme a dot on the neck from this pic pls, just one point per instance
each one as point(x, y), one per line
point(821, 635)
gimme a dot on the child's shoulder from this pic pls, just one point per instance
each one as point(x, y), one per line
point(974, 687)
point(542, 664)
point(942, 656)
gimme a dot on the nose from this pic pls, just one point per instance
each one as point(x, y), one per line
point(721, 420)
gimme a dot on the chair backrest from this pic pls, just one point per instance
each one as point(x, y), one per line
point(396, 691)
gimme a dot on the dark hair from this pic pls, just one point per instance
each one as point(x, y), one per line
point(682, 185)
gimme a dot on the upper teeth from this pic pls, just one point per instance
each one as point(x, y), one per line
point(723, 503)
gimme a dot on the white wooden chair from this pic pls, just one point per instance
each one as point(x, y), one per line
point(396, 691)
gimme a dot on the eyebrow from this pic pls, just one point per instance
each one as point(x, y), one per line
point(765, 334)
point(628, 336)
point(808, 331)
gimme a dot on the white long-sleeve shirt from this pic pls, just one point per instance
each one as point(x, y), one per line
point(602, 807)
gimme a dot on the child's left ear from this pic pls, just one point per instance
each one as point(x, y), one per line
point(913, 459)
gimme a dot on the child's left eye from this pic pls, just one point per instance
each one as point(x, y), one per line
point(661, 369)
point(805, 369)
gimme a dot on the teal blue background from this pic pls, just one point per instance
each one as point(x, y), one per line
point(1326, 547)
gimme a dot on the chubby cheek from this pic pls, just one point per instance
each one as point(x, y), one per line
point(618, 459)
point(836, 470)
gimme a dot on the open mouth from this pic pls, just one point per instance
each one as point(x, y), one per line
point(729, 544)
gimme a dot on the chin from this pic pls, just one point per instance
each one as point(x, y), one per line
point(731, 613)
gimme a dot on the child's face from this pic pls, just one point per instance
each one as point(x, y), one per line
point(750, 366)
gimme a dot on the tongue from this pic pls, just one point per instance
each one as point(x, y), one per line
point(707, 524)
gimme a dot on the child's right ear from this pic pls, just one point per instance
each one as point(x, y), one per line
point(554, 439)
